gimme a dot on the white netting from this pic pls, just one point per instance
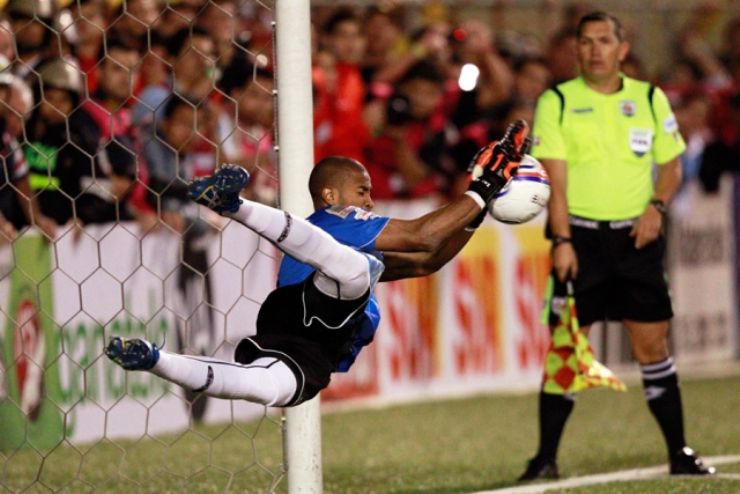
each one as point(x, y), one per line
point(129, 103)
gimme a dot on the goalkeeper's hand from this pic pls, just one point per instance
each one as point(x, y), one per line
point(493, 165)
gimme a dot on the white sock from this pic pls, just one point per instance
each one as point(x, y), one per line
point(341, 271)
point(267, 380)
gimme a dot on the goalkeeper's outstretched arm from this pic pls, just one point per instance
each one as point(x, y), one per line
point(400, 265)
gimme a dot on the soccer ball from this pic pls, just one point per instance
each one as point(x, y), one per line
point(524, 196)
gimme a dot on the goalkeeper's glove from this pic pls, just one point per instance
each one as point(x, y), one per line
point(493, 165)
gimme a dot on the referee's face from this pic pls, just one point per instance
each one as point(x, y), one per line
point(600, 51)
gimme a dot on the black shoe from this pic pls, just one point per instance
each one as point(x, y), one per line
point(539, 469)
point(686, 462)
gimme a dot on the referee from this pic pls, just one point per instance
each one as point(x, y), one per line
point(598, 136)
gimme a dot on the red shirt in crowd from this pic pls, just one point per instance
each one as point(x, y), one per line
point(340, 129)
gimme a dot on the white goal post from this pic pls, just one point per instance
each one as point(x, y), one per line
point(292, 27)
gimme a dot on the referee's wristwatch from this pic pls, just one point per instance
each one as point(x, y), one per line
point(560, 240)
point(660, 206)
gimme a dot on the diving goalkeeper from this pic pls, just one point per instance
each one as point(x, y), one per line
point(323, 312)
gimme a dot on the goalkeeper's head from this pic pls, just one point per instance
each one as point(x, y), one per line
point(340, 181)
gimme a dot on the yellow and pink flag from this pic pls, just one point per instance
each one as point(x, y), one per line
point(570, 365)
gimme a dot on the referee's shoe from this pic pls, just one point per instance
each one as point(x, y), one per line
point(686, 462)
point(540, 468)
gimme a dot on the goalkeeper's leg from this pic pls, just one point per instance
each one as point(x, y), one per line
point(266, 380)
point(342, 272)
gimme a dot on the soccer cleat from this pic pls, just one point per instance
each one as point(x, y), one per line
point(135, 354)
point(540, 469)
point(220, 191)
point(686, 462)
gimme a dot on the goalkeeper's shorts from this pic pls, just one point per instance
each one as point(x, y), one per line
point(308, 330)
point(615, 280)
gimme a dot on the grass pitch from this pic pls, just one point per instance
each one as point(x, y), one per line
point(451, 446)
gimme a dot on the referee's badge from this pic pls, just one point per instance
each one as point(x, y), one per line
point(628, 107)
point(641, 140)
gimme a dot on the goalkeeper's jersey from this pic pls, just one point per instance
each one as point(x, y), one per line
point(610, 143)
point(358, 229)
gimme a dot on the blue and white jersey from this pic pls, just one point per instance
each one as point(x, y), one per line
point(358, 229)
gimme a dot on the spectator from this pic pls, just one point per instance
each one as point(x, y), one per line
point(169, 154)
point(561, 53)
point(692, 115)
point(117, 73)
point(385, 39)
point(473, 44)
point(89, 25)
point(721, 155)
point(634, 68)
point(250, 142)
point(17, 203)
point(6, 40)
point(531, 79)
point(346, 133)
point(108, 106)
point(221, 21)
point(31, 23)
point(179, 15)
point(731, 48)
point(133, 20)
point(191, 55)
point(62, 142)
point(408, 159)
point(106, 194)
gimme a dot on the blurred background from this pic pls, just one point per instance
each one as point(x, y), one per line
point(108, 109)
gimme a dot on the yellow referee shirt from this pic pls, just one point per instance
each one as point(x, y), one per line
point(610, 143)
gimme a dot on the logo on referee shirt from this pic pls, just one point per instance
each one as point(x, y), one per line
point(641, 140)
point(628, 107)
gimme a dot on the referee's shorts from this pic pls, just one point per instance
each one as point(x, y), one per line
point(615, 280)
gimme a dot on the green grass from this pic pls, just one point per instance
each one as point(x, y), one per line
point(659, 486)
point(436, 447)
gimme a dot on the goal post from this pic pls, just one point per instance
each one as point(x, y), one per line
point(292, 28)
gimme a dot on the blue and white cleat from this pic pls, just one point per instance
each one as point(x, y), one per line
point(220, 191)
point(135, 354)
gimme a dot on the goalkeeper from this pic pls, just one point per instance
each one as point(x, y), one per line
point(323, 312)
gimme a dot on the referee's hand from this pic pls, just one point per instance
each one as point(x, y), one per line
point(647, 228)
point(565, 261)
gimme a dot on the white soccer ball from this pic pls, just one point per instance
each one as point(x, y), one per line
point(524, 196)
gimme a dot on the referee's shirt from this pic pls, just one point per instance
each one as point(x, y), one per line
point(610, 143)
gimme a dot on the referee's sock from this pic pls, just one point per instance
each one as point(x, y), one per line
point(554, 412)
point(664, 399)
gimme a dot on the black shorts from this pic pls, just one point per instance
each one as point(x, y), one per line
point(306, 329)
point(615, 280)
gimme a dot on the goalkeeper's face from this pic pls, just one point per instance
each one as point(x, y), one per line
point(353, 189)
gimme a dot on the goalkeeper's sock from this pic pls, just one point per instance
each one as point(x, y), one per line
point(267, 380)
point(554, 413)
point(663, 396)
point(343, 272)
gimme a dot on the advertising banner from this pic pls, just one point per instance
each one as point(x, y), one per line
point(701, 268)
point(62, 302)
point(473, 326)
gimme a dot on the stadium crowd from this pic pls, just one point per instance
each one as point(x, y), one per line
point(108, 110)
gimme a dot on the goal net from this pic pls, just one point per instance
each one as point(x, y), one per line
point(110, 111)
